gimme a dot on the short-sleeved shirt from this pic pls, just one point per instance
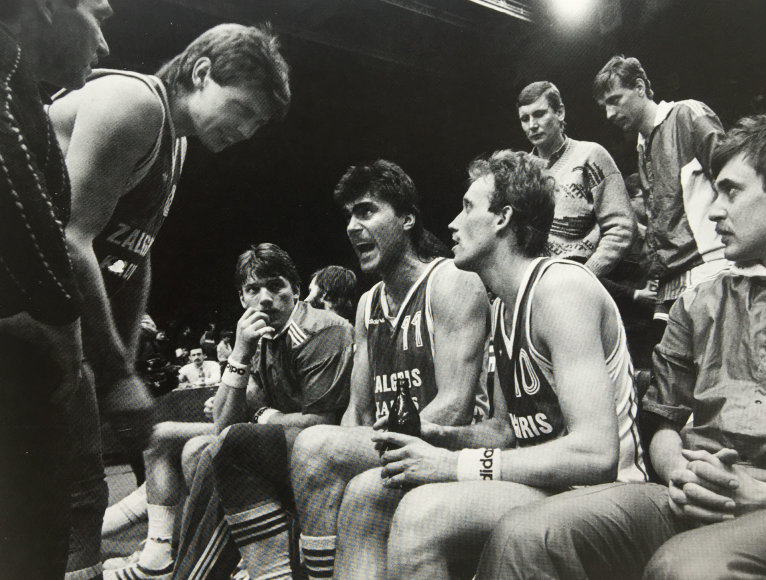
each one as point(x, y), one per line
point(712, 362)
point(306, 368)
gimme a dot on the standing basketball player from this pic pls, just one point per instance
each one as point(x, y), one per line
point(123, 137)
point(564, 385)
point(425, 320)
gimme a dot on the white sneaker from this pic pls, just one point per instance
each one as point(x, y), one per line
point(138, 572)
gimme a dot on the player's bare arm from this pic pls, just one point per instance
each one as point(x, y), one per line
point(461, 322)
point(101, 152)
point(361, 409)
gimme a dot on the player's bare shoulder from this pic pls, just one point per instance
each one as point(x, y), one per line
point(568, 289)
point(113, 107)
point(455, 291)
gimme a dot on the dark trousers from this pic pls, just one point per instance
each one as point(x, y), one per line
point(34, 465)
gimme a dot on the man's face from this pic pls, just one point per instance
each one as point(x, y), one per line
point(224, 115)
point(473, 230)
point(272, 296)
point(624, 107)
point(541, 124)
point(316, 298)
point(74, 42)
point(739, 211)
point(196, 356)
point(377, 234)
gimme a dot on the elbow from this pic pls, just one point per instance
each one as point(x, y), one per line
point(600, 463)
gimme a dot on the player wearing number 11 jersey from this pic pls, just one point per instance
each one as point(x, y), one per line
point(425, 320)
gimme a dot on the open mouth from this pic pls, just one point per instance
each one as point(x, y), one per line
point(364, 247)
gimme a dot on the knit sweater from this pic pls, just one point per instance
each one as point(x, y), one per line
point(593, 221)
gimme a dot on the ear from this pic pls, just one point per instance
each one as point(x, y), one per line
point(409, 221)
point(201, 72)
point(561, 113)
point(503, 218)
point(641, 87)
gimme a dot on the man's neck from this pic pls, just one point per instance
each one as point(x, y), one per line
point(400, 277)
point(647, 119)
point(545, 150)
point(504, 272)
point(179, 113)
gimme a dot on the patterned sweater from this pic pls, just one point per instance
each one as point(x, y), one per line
point(593, 220)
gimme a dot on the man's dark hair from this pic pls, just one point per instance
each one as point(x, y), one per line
point(626, 70)
point(522, 183)
point(266, 261)
point(239, 55)
point(748, 138)
point(338, 286)
point(389, 183)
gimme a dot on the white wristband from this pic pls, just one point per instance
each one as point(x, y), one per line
point(478, 464)
point(263, 415)
point(234, 380)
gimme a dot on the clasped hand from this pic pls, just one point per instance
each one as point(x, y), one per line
point(712, 487)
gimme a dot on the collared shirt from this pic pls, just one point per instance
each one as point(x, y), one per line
point(712, 363)
point(306, 367)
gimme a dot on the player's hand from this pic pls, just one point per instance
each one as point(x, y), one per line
point(414, 462)
point(129, 408)
point(647, 294)
point(207, 409)
point(251, 327)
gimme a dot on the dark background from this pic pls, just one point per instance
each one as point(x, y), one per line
point(428, 84)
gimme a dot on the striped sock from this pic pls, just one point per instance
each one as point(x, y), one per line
point(319, 555)
point(261, 536)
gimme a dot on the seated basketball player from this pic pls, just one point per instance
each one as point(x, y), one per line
point(294, 360)
point(563, 397)
point(425, 319)
point(708, 518)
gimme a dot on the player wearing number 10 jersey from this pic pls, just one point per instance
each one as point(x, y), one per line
point(425, 319)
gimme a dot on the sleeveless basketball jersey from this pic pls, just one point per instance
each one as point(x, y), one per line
point(122, 246)
point(402, 345)
point(526, 378)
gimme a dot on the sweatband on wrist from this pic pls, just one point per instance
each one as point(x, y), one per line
point(478, 464)
point(234, 380)
point(263, 415)
point(236, 367)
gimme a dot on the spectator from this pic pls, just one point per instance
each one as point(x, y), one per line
point(199, 372)
point(334, 287)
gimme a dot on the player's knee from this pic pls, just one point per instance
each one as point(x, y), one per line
point(191, 454)
point(416, 529)
point(163, 439)
point(361, 500)
point(313, 458)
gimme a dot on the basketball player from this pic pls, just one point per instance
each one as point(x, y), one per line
point(425, 320)
point(123, 136)
point(563, 396)
point(707, 519)
point(292, 363)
